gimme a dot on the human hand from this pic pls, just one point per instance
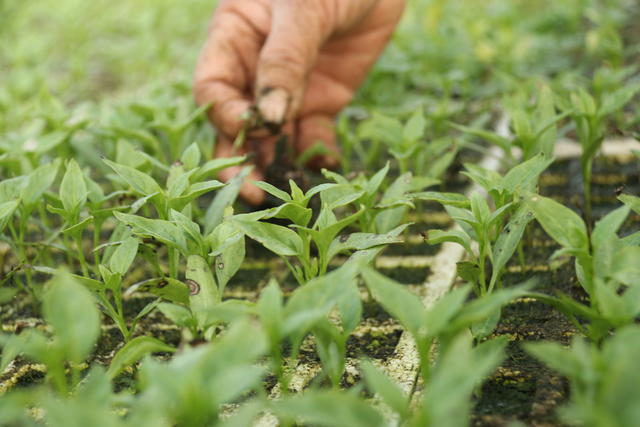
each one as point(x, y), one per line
point(297, 63)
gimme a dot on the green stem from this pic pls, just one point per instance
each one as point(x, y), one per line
point(97, 225)
point(586, 188)
point(83, 261)
point(174, 255)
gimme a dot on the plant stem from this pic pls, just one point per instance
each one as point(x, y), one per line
point(587, 165)
point(83, 261)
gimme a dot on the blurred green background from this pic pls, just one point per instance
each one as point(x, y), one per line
point(89, 51)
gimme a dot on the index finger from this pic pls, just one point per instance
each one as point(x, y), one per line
point(225, 71)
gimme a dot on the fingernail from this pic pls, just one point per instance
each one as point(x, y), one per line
point(272, 106)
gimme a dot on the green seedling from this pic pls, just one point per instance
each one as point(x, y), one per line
point(590, 116)
point(606, 267)
point(534, 131)
point(185, 183)
point(165, 129)
point(383, 210)
point(405, 142)
point(445, 320)
point(447, 397)
point(297, 240)
point(182, 235)
point(498, 231)
point(307, 311)
point(70, 310)
point(20, 198)
point(602, 379)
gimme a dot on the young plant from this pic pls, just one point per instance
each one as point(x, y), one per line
point(447, 396)
point(296, 242)
point(602, 379)
point(382, 213)
point(590, 117)
point(606, 267)
point(497, 231)
point(21, 197)
point(405, 142)
point(70, 310)
point(534, 130)
point(445, 320)
point(307, 311)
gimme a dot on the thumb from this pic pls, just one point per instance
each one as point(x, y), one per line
point(298, 29)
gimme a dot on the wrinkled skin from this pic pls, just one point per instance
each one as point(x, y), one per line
point(298, 61)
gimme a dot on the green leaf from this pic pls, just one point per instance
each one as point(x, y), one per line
point(276, 238)
point(350, 307)
point(71, 310)
point(508, 241)
point(299, 215)
point(269, 308)
point(491, 137)
point(396, 299)
point(10, 189)
point(315, 300)
point(481, 308)
point(6, 212)
point(604, 239)
point(382, 128)
point(632, 201)
point(556, 356)
point(193, 192)
point(373, 185)
point(73, 190)
point(213, 166)
point(397, 191)
point(191, 157)
point(560, 222)
point(140, 182)
point(135, 350)
point(625, 267)
point(38, 182)
point(524, 176)
point(190, 229)
point(438, 317)
point(435, 237)
point(123, 256)
point(361, 241)
point(415, 126)
point(225, 198)
point(229, 262)
point(461, 368)
point(388, 391)
point(273, 190)
point(447, 199)
point(328, 408)
point(164, 287)
point(163, 231)
point(486, 178)
point(178, 314)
